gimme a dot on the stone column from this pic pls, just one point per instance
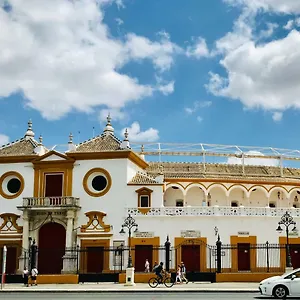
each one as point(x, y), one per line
point(70, 257)
point(23, 259)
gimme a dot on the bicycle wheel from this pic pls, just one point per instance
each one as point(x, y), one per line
point(153, 282)
point(169, 282)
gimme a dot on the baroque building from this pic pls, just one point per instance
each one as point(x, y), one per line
point(79, 198)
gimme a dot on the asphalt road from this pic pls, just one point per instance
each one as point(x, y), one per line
point(133, 296)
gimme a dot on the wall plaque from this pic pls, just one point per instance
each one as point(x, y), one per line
point(244, 233)
point(144, 234)
point(190, 233)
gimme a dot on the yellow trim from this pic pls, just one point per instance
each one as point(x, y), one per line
point(154, 241)
point(19, 176)
point(88, 174)
point(12, 218)
point(17, 159)
point(180, 241)
point(144, 191)
point(282, 241)
point(56, 279)
point(132, 156)
point(98, 216)
point(234, 240)
point(195, 184)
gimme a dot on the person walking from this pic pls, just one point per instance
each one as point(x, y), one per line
point(178, 275)
point(183, 273)
point(147, 266)
point(34, 274)
point(25, 276)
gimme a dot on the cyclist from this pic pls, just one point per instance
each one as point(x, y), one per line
point(159, 270)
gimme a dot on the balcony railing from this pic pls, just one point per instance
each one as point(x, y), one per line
point(46, 202)
point(215, 211)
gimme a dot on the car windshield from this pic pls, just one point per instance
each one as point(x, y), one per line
point(289, 275)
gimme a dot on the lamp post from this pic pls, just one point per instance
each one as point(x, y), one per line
point(287, 220)
point(129, 223)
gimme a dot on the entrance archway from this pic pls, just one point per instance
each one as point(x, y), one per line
point(51, 248)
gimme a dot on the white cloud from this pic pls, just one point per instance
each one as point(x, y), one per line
point(199, 49)
point(4, 139)
point(119, 21)
point(136, 135)
point(260, 161)
point(61, 57)
point(255, 74)
point(289, 25)
point(115, 113)
point(167, 89)
point(196, 106)
point(269, 31)
point(160, 53)
point(199, 119)
point(280, 6)
point(277, 116)
point(120, 4)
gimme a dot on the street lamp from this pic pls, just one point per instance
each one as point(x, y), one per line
point(287, 221)
point(129, 223)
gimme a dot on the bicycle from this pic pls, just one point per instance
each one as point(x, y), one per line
point(167, 280)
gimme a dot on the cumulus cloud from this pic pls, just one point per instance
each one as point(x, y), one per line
point(259, 161)
point(119, 21)
point(4, 139)
point(198, 49)
point(137, 135)
point(61, 57)
point(277, 116)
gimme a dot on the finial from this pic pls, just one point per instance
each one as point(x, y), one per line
point(41, 139)
point(142, 148)
point(108, 128)
point(70, 138)
point(161, 169)
point(29, 133)
point(126, 134)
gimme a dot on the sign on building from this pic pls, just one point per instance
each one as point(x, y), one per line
point(144, 234)
point(190, 233)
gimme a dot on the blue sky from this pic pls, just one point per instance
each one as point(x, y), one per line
point(222, 72)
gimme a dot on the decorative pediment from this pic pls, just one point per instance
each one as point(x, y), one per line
point(53, 157)
point(95, 223)
point(144, 191)
point(9, 224)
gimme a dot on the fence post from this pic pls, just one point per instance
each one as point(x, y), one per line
point(167, 254)
point(219, 255)
point(268, 260)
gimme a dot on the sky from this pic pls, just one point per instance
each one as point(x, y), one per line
point(171, 71)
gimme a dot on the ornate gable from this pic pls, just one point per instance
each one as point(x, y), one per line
point(95, 223)
point(9, 224)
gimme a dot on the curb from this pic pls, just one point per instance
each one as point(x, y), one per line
point(107, 291)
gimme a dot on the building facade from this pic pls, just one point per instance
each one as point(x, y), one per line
point(79, 199)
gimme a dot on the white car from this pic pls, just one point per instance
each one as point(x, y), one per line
point(282, 286)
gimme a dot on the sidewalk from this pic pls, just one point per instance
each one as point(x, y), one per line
point(226, 287)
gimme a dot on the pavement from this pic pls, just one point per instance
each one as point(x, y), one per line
point(225, 287)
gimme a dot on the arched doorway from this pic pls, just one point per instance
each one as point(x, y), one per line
point(51, 248)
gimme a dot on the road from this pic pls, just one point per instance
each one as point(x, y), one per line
point(133, 296)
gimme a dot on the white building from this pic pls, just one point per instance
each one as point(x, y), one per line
point(81, 198)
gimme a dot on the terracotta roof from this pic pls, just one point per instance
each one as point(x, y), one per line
point(141, 178)
point(22, 146)
point(103, 142)
point(226, 171)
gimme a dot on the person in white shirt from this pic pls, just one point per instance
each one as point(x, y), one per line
point(147, 266)
point(25, 276)
point(34, 273)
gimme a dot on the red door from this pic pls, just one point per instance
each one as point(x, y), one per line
point(95, 257)
point(54, 187)
point(295, 255)
point(141, 253)
point(190, 255)
point(51, 248)
point(11, 260)
point(243, 257)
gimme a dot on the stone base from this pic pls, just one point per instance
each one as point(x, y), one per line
point(129, 277)
point(69, 265)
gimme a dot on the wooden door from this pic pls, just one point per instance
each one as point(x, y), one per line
point(190, 255)
point(243, 256)
point(95, 257)
point(11, 260)
point(141, 253)
point(295, 255)
point(51, 248)
point(54, 185)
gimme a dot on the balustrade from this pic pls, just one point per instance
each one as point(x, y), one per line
point(35, 202)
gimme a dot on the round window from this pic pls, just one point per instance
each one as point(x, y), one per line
point(12, 185)
point(97, 182)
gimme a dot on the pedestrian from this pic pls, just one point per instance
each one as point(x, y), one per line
point(154, 266)
point(25, 276)
point(147, 266)
point(178, 275)
point(183, 273)
point(34, 274)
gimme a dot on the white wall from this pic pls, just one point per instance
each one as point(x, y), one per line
point(27, 172)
